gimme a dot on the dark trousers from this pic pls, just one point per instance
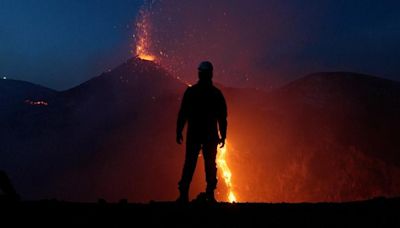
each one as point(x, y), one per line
point(192, 153)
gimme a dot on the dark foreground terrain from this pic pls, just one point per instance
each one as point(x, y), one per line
point(378, 212)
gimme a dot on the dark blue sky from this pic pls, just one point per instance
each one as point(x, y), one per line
point(65, 42)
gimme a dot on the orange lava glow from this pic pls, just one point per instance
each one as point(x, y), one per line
point(143, 41)
point(226, 172)
point(37, 103)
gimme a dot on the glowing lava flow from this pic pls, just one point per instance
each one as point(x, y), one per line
point(143, 36)
point(226, 172)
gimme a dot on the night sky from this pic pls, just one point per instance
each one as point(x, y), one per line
point(260, 43)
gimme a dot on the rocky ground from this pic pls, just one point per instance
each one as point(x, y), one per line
point(379, 212)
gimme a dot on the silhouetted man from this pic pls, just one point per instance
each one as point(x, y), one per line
point(204, 109)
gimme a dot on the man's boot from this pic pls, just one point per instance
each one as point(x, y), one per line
point(210, 197)
point(183, 196)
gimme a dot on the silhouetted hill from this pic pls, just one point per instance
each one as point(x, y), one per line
point(133, 81)
point(84, 134)
point(341, 85)
point(366, 107)
point(15, 93)
point(15, 90)
point(325, 137)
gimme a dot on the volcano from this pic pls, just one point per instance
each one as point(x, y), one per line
point(324, 137)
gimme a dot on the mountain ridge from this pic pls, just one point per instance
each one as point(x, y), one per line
point(291, 144)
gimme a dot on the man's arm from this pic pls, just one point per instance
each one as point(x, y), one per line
point(222, 119)
point(182, 117)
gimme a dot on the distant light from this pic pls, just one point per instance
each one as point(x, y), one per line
point(36, 103)
point(4, 77)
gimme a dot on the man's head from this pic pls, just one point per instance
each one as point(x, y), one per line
point(205, 71)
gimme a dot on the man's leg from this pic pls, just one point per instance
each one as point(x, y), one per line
point(210, 154)
point(192, 153)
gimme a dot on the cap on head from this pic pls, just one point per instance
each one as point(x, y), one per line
point(205, 66)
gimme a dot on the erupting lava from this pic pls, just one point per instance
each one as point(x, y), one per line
point(226, 172)
point(143, 45)
point(143, 36)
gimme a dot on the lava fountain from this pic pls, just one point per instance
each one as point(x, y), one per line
point(143, 39)
point(226, 172)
